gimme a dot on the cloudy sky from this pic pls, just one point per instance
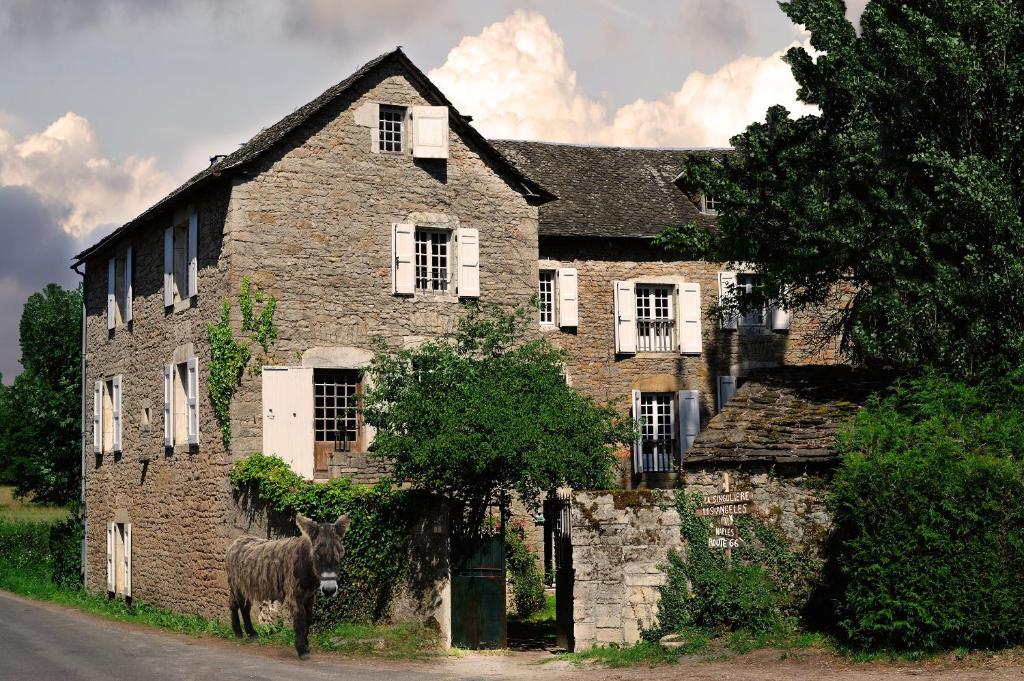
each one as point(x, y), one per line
point(105, 105)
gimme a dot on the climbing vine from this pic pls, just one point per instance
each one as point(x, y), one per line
point(229, 356)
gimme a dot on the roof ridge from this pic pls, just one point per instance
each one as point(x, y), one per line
point(586, 145)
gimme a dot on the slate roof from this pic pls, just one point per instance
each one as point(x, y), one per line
point(608, 191)
point(267, 138)
point(790, 414)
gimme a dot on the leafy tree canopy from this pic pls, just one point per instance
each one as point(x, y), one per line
point(904, 193)
point(40, 439)
point(487, 413)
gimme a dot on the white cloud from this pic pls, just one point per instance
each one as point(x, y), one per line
point(64, 165)
point(514, 80)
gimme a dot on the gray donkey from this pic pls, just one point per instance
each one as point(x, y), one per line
point(289, 570)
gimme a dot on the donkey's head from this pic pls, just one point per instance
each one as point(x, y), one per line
point(325, 549)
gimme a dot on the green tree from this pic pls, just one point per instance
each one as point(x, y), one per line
point(899, 204)
point(40, 438)
point(487, 413)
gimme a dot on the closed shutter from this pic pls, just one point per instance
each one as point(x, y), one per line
point(468, 242)
point(779, 318)
point(111, 302)
point(568, 297)
point(115, 413)
point(430, 132)
point(403, 247)
point(169, 267)
point(97, 417)
point(726, 389)
point(689, 418)
point(638, 447)
point(288, 412)
point(110, 558)
point(689, 319)
point(192, 369)
point(127, 560)
point(625, 317)
point(193, 254)
point(727, 289)
point(128, 286)
point(168, 405)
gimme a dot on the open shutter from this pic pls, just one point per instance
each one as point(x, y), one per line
point(288, 416)
point(726, 389)
point(192, 370)
point(193, 253)
point(169, 267)
point(168, 405)
point(110, 558)
point(779, 317)
point(128, 286)
point(727, 287)
point(127, 560)
point(468, 242)
point(403, 247)
point(625, 317)
point(689, 319)
point(430, 132)
point(111, 302)
point(568, 308)
point(689, 418)
point(115, 413)
point(638, 447)
point(97, 417)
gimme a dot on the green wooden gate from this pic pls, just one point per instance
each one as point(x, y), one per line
point(478, 594)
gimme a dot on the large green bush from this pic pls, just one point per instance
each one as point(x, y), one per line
point(523, 572)
point(24, 548)
point(928, 548)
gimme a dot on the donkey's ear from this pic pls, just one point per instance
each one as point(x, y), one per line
point(306, 526)
point(341, 525)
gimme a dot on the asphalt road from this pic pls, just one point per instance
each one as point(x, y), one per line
point(45, 642)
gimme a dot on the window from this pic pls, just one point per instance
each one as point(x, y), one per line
point(119, 559)
point(108, 416)
point(119, 289)
point(390, 128)
point(709, 204)
point(336, 395)
point(547, 297)
point(106, 420)
point(657, 431)
point(181, 403)
point(432, 260)
point(655, 323)
point(745, 285)
point(180, 262)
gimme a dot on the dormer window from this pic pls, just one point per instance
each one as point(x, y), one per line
point(391, 124)
point(709, 204)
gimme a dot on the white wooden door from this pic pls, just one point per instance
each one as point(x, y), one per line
point(288, 416)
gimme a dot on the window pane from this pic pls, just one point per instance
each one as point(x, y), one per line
point(547, 297)
point(336, 415)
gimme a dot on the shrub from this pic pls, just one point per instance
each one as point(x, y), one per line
point(521, 564)
point(65, 550)
point(928, 548)
point(24, 548)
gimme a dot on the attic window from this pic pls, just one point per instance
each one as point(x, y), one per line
point(709, 204)
point(391, 122)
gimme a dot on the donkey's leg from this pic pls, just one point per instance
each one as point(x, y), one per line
point(247, 619)
point(301, 624)
point(235, 625)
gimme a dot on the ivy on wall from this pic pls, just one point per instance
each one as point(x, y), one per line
point(229, 357)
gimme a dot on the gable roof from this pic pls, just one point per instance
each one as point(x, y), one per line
point(608, 191)
point(269, 137)
point(789, 414)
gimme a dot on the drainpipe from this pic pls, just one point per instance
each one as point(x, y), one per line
point(85, 363)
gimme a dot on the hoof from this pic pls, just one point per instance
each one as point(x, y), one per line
point(303, 656)
point(253, 636)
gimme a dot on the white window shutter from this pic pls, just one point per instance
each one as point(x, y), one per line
point(288, 416)
point(726, 389)
point(110, 558)
point(690, 333)
point(727, 288)
point(468, 239)
point(168, 405)
point(111, 279)
point(127, 560)
point(192, 370)
point(568, 297)
point(193, 254)
point(169, 267)
point(779, 318)
point(403, 248)
point(128, 285)
point(430, 132)
point(638, 447)
point(625, 317)
point(689, 418)
point(115, 415)
point(97, 417)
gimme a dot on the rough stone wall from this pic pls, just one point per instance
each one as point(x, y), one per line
point(174, 501)
point(620, 541)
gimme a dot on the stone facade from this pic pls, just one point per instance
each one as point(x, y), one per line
point(620, 545)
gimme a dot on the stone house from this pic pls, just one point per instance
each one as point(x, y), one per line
point(377, 211)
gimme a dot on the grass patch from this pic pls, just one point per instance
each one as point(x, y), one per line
point(536, 629)
point(13, 509)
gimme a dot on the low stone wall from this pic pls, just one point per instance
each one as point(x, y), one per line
point(620, 543)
